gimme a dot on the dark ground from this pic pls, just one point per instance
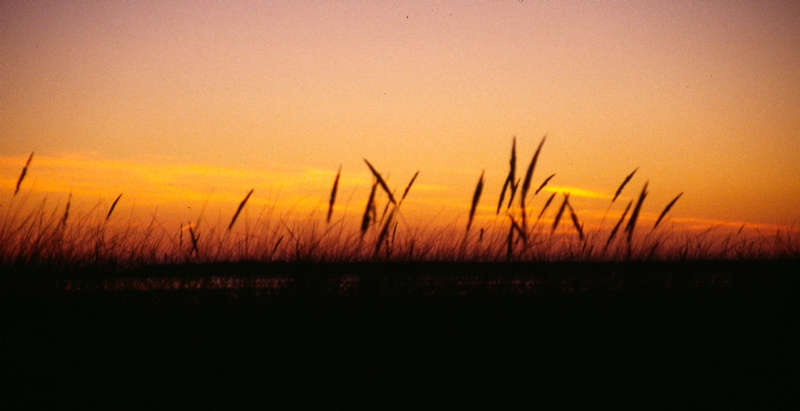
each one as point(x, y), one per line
point(709, 335)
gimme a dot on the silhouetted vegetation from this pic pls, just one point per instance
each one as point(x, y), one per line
point(32, 236)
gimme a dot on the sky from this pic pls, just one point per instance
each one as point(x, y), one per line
point(176, 103)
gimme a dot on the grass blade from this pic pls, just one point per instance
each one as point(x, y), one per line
point(560, 212)
point(575, 222)
point(23, 173)
point(512, 163)
point(512, 172)
point(526, 184)
point(544, 183)
point(510, 240)
point(365, 219)
point(619, 223)
point(475, 198)
point(381, 182)
point(66, 211)
point(113, 206)
point(635, 214)
point(666, 210)
point(195, 238)
point(332, 200)
point(519, 230)
point(624, 183)
point(275, 247)
point(514, 187)
point(503, 194)
point(239, 209)
point(546, 204)
point(382, 237)
point(408, 187)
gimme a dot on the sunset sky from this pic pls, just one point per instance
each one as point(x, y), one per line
point(177, 102)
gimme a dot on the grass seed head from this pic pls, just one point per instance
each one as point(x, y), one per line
point(113, 206)
point(544, 183)
point(578, 226)
point(381, 181)
point(503, 193)
point(635, 214)
point(23, 173)
point(623, 184)
point(666, 210)
point(476, 196)
point(526, 184)
point(560, 212)
point(619, 223)
point(514, 188)
point(365, 219)
point(408, 187)
point(546, 204)
point(66, 211)
point(332, 200)
point(239, 209)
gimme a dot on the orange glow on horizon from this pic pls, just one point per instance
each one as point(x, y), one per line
point(293, 195)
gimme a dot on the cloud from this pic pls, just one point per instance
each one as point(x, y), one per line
point(154, 182)
point(705, 223)
point(577, 192)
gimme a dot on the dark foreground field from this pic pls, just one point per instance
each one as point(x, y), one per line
point(709, 334)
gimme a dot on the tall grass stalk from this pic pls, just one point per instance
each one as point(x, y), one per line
point(623, 184)
point(526, 183)
point(510, 178)
point(635, 214)
point(502, 195)
point(560, 212)
point(514, 190)
point(239, 209)
point(544, 183)
point(578, 226)
point(66, 211)
point(369, 209)
point(332, 200)
point(617, 193)
point(617, 226)
point(381, 181)
point(546, 205)
point(476, 196)
point(23, 173)
point(113, 206)
point(382, 236)
point(666, 210)
point(408, 187)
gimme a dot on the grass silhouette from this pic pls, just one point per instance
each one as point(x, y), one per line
point(34, 237)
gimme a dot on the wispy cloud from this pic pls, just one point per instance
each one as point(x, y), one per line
point(577, 192)
point(161, 181)
point(705, 223)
